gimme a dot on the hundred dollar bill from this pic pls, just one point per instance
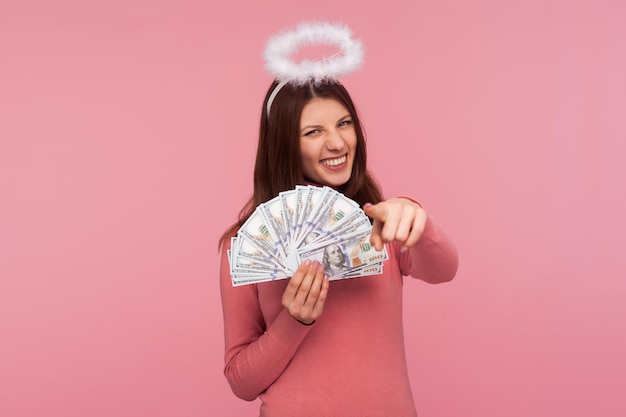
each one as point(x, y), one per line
point(245, 280)
point(244, 248)
point(256, 230)
point(361, 251)
point(349, 224)
point(239, 249)
point(247, 271)
point(375, 269)
point(243, 265)
point(356, 223)
point(274, 217)
point(243, 276)
point(335, 207)
point(335, 211)
point(339, 258)
point(288, 204)
point(313, 198)
point(300, 197)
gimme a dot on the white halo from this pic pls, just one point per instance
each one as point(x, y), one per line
point(281, 46)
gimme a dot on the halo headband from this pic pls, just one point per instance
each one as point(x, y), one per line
point(281, 46)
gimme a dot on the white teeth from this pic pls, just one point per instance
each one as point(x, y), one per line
point(334, 162)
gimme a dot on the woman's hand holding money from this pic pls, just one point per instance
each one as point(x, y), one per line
point(397, 219)
point(306, 292)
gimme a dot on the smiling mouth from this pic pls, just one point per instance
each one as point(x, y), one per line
point(333, 162)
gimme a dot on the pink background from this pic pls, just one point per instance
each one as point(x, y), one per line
point(127, 136)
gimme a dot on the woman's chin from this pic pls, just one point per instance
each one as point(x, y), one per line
point(329, 181)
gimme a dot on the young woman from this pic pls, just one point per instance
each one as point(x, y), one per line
point(306, 346)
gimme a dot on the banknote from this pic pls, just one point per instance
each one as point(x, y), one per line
point(305, 223)
point(344, 256)
point(262, 235)
point(311, 200)
point(288, 204)
point(274, 217)
point(335, 207)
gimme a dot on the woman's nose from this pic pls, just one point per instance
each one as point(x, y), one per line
point(334, 141)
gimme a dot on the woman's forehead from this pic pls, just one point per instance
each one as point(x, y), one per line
point(322, 108)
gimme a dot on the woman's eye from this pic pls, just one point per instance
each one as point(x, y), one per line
point(311, 132)
point(345, 123)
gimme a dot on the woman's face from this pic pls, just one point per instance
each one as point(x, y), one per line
point(327, 142)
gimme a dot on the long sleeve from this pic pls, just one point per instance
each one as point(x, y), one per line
point(434, 258)
point(256, 353)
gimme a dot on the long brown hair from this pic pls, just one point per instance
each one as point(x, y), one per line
point(278, 165)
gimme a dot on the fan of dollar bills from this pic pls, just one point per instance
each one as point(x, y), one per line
point(307, 223)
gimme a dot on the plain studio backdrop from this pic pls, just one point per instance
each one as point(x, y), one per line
point(127, 138)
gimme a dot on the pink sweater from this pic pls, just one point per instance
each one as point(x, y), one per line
point(351, 361)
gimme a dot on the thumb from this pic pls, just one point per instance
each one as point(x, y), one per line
point(375, 239)
point(375, 212)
